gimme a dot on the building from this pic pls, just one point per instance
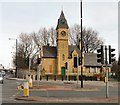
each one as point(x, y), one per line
point(54, 58)
point(1, 67)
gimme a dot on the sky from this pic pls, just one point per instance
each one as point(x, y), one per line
point(28, 16)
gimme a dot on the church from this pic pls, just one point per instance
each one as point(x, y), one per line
point(59, 60)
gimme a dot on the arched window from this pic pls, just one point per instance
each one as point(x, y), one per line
point(63, 57)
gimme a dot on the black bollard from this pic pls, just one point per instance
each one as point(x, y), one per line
point(62, 78)
point(55, 78)
point(47, 77)
point(40, 78)
point(69, 78)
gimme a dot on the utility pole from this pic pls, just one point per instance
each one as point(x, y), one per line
point(106, 63)
point(16, 60)
point(81, 50)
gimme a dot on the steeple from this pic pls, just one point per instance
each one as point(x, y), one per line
point(62, 15)
point(62, 22)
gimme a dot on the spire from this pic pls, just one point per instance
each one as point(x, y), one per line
point(62, 22)
point(62, 15)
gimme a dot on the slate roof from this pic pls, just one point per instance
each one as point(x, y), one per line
point(49, 52)
point(71, 48)
point(90, 58)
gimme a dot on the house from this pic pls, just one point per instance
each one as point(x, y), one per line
point(1, 67)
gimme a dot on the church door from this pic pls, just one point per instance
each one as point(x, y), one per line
point(62, 71)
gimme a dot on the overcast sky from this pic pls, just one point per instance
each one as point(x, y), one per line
point(29, 16)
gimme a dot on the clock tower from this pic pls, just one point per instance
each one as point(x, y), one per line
point(62, 44)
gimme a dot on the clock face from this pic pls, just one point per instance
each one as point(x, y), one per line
point(62, 21)
point(63, 33)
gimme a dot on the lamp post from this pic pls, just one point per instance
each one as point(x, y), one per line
point(16, 55)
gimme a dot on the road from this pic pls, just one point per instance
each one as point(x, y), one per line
point(9, 91)
point(99, 91)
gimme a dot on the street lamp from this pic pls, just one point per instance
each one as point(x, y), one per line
point(16, 55)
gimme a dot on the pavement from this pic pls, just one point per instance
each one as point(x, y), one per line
point(65, 86)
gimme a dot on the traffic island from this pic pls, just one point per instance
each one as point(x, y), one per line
point(49, 99)
point(41, 99)
point(69, 83)
point(69, 100)
point(56, 87)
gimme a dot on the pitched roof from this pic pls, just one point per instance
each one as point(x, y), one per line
point(90, 59)
point(49, 51)
point(60, 25)
point(62, 15)
point(71, 48)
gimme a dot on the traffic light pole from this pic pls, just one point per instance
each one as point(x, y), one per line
point(100, 59)
point(66, 69)
point(81, 50)
point(16, 73)
point(106, 63)
point(77, 71)
point(38, 67)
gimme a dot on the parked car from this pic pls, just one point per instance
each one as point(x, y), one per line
point(1, 78)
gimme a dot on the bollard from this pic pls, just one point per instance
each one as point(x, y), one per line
point(105, 80)
point(27, 78)
point(33, 77)
point(69, 78)
point(26, 89)
point(40, 78)
point(62, 78)
point(55, 78)
point(47, 77)
point(30, 82)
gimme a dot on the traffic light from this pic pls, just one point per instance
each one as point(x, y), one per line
point(111, 56)
point(75, 62)
point(66, 65)
point(100, 55)
point(38, 60)
point(79, 61)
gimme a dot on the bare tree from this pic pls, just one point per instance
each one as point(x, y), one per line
point(43, 32)
point(30, 44)
point(45, 37)
point(74, 34)
point(91, 41)
point(52, 36)
point(26, 49)
point(37, 39)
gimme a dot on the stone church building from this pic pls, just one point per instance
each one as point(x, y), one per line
point(54, 58)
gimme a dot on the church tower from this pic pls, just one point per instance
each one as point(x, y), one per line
point(62, 44)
